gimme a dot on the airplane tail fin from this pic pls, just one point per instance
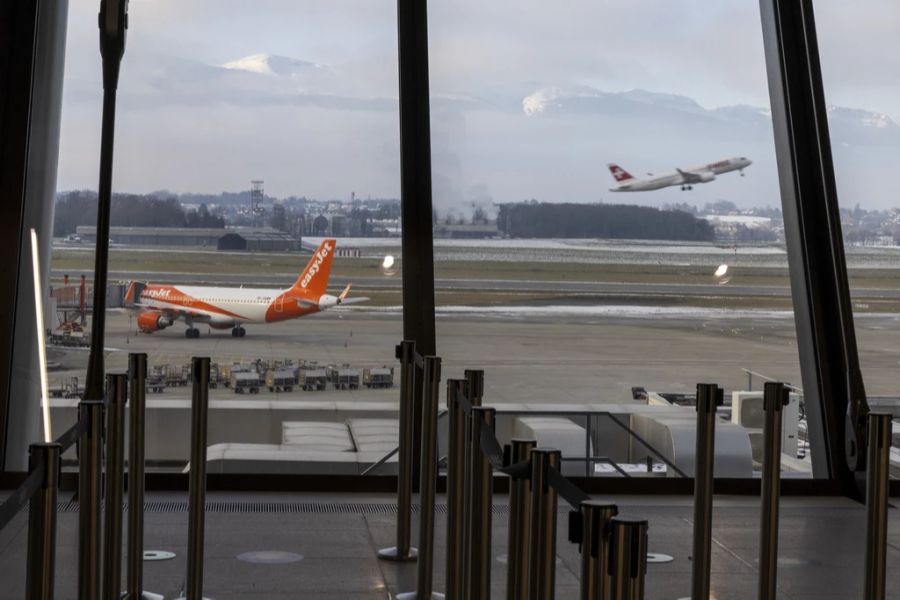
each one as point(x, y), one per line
point(133, 293)
point(313, 280)
point(618, 173)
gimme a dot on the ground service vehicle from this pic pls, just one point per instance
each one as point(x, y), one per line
point(312, 379)
point(378, 377)
point(245, 382)
point(280, 380)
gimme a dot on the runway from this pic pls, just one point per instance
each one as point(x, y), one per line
point(649, 289)
point(568, 359)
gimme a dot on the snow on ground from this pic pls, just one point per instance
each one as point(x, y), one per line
point(633, 311)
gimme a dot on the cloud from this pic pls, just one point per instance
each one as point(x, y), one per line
point(527, 97)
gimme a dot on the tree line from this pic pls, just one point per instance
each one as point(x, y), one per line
point(128, 210)
point(610, 221)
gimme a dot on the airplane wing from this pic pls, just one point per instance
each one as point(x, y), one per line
point(303, 302)
point(198, 315)
point(698, 176)
point(343, 299)
point(688, 177)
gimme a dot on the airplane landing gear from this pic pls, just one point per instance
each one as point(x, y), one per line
point(238, 332)
point(192, 333)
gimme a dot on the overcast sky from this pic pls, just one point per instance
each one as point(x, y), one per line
point(331, 127)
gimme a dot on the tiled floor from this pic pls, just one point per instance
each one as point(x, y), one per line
point(821, 551)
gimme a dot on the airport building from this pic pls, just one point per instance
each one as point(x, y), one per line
point(155, 236)
point(469, 418)
point(260, 240)
point(252, 239)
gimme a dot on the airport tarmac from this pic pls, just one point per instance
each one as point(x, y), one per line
point(530, 357)
point(509, 285)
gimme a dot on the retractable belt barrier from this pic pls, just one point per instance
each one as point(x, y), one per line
point(20, 497)
point(34, 481)
point(40, 491)
point(610, 569)
point(427, 482)
point(494, 452)
point(116, 389)
point(709, 396)
point(406, 353)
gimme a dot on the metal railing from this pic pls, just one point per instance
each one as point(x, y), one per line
point(100, 563)
point(613, 548)
point(473, 456)
point(588, 459)
point(40, 491)
point(589, 416)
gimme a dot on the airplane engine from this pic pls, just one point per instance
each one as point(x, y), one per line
point(706, 177)
point(153, 320)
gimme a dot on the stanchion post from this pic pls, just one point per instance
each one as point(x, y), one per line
point(481, 501)
point(197, 480)
point(519, 538)
point(542, 550)
point(137, 373)
point(628, 558)
point(775, 398)
point(41, 555)
point(596, 516)
point(877, 490)
point(474, 394)
point(116, 390)
point(456, 478)
point(431, 390)
point(403, 551)
point(709, 396)
point(90, 465)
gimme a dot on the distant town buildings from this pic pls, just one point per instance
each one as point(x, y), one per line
point(282, 223)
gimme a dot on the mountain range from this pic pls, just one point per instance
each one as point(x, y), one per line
point(543, 140)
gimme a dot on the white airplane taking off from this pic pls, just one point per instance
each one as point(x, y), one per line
point(686, 179)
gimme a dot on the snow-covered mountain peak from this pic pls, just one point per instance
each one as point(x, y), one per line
point(271, 64)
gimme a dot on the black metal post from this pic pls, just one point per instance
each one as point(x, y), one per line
point(595, 529)
point(117, 388)
point(137, 372)
point(628, 561)
point(197, 482)
point(833, 389)
point(542, 551)
point(405, 352)
point(709, 396)
point(42, 523)
point(113, 21)
point(481, 501)
point(877, 490)
point(427, 482)
point(415, 187)
point(90, 467)
point(519, 539)
point(456, 486)
point(775, 398)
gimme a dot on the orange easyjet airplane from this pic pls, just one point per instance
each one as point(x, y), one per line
point(160, 305)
